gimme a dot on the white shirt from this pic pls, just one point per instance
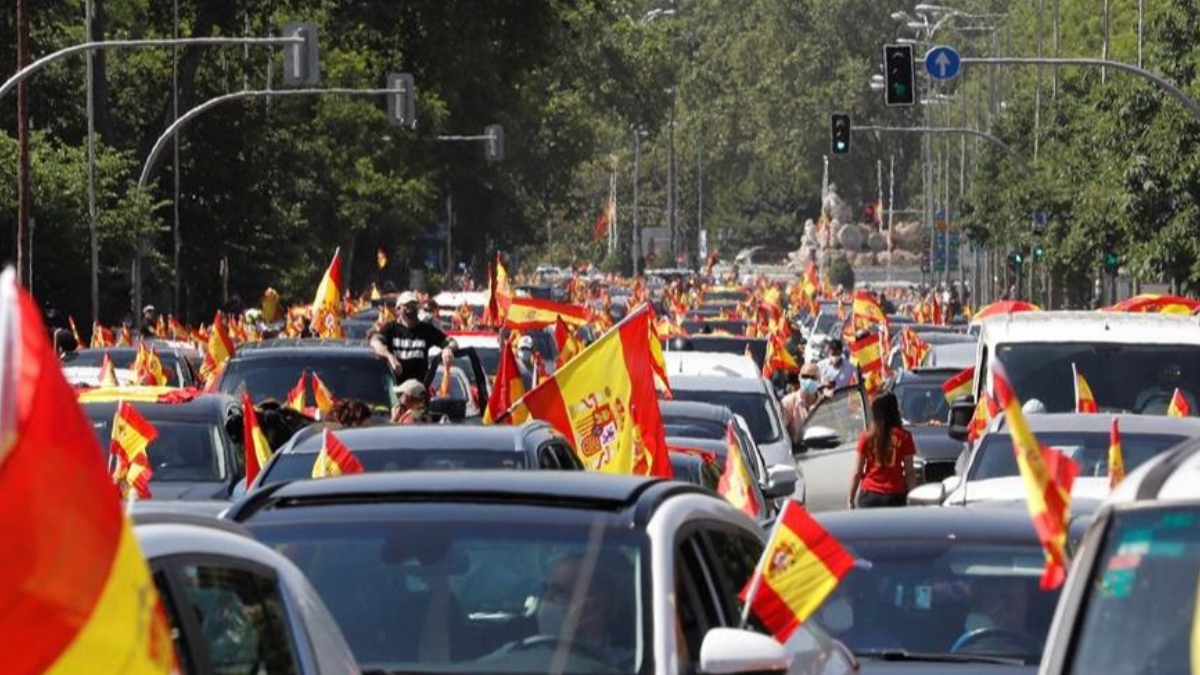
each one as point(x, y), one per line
point(841, 376)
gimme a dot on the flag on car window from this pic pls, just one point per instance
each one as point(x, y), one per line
point(1179, 406)
point(1085, 402)
point(779, 359)
point(1116, 460)
point(1048, 476)
point(219, 350)
point(76, 594)
point(507, 390)
point(323, 395)
point(258, 450)
point(108, 372)
point(912, 348)
point(334, 459)
point(296, 396)
point(959, 384)
point(799, 568)
point(132, 434)
point(736, 484)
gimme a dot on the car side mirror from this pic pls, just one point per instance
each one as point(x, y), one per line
point(929, 494)
point(781, 481)
point(962, 409)
point(730, 651)
point(821, 438)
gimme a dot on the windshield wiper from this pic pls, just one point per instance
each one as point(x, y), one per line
point(904, 655)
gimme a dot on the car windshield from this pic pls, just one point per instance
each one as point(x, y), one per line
point(297, 465)
point(1140, 613)
point(693, 427)
point(366, 379)
point(922, 402)
point(94, 358)
point(1139, 378)
point(1088, 449)
point(942, 597)
point(182, 452)
point(418, 587)
point(755, 407)
point(459, 384)
point(826, 322)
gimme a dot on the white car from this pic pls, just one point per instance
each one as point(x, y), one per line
point(712, 364)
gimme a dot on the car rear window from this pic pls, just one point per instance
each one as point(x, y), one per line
point(366, 379)
point(299, 465)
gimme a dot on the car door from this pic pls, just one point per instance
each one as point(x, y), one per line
point(227, 616)
point(827, 470)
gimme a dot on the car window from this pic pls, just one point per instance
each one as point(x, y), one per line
point(843, 412)
point(922, 402)
point(366, 379)
point(696, 610)
point(183, 650)
point(995, 458)
point(692, 427)
point(733, 556)
point(546, 459)
point(298, 465)
point(1140, 612)
point(182, 452)
point(566, 456)
point(758, 409)
point(242, 619)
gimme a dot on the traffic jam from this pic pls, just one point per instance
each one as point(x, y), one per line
point(574, 473)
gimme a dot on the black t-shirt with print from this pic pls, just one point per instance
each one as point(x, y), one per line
point(411, 347)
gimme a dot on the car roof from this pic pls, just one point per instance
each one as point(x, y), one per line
point(164, 349)
point(937, 374)
point(1173, 475)
point(721, 364)
point(570, 489)
point(1129, 423)
point(717, 383)
point(998, 523)
point(499, 437)
point(695, 410)
point(205, 407)
point(1078, 326)
point(290, 347)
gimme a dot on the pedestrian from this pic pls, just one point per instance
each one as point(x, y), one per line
point(149, 318)
point(406, 340)
point(883, 473)
point(525, 363)
point(836, 370)
point(410, 409)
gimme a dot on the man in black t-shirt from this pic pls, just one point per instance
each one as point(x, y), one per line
point(405, 342)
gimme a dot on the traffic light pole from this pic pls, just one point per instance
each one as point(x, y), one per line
point(953, 130)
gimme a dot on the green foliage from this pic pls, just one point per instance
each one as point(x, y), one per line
point(840, 272)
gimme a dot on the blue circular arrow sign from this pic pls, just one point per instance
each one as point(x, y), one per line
point(943, 63)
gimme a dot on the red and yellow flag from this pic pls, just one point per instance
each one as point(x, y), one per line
point(1179, 406)
point(258, 450)
point(1048, 476)
point(568, 343)
point(799, 568)
point(736, 484)
point(1116, 460)
point(985, 410)
point(102, 337)
point(132, 434)
point(606, 218)
point(867, 354)
point(589, 398)
point(108, 372)
point(381, 258)
point(1085, 401)
point(335, 459)
point(327, 304)
point(324, 397)
point(125, 337)
point(444, 385)
point(527, 314)
point(959, 384)
point(779, 359)
point(507, 390)
point(271, 308)
point(148, 367)
point(867, 312)
point(296, 397)
point(76, 594)
point(499, 294)
point(912, 348)
point(220, 349)
point(75, 332)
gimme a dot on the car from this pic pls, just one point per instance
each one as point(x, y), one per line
point(1129, 602)
point(951, 355)
point(83, 366)
point(937, 590)
point(426, 447)
point(825, 452)
point(762, 255)
point(720, 364)
point(924, 409)
point(768, 491)
point(233, 604)
point(479, 569)
point(752, 398)
point(271, 368)
point(896, 356)
point(727, 344)
point(989, 471)
point(194, 455)
point(485, 343)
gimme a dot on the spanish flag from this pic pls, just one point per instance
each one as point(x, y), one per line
point(1085, 402)
point(125, 337)
point(335, 459)
point(811, 282)
point(985, 410)
point(867, 312)
point(799, 568)
point(1179, 406)
point(295, 397)
point(327, 304)
point(499, 294)
point(324, 397)
point(912, 348)
point(736, 484)
point(588, 399)
point(507, 390)
point(108, 372)
point(101, 336)
point(959, 384)
point(76, 594)
point(1048, 476)
point(258, 450)
point(779, 359)
point(1116, 460)
point(148, 367)
point(868, 356)
point(528, 314)
point(132, 434)
point(75, 332)
point(568, 343)
point(220, 349)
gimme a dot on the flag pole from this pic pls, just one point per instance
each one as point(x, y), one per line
point(756, 579)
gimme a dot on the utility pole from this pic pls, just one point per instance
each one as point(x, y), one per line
point(636, 231)
point(93, 215)
point(24, 210)
point(671, 176)
point(891, 205)
point(178, 234)
point(699, 193)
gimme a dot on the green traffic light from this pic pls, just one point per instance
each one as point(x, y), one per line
point(899, 89)
point(1039, 252)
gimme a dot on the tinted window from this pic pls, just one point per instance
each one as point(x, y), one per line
point(89, 358)
point(693, 427)
point(1140, 613)
point(922, 402)
point(843, 412)
point(296, 465)
point(757, 409)
point(1089, 450)
point(366, 379)
point(183, 451)
point(734, 556)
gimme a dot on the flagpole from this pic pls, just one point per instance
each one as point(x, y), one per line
point(756, 579)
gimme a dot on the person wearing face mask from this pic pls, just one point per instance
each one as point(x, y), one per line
point(405, 342)
point(525, 363)
point(836, 370)
point(797, 404)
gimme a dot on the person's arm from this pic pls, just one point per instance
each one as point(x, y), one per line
point(378, 344)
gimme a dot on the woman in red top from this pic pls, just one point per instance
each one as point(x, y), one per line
point(884, 472)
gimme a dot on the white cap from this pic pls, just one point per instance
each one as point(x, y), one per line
point(405, 298)
point(412, 388)
point(525, 342)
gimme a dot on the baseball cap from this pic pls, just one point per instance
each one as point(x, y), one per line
point(412, 388)
point(148, 308)
point(525, 342)
point(406, 298)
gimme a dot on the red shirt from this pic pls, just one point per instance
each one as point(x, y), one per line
point(886, 478)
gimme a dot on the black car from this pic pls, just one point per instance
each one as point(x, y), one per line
point(524, 572)
point(271, 368)
point(175, 363)
point(194, 456)
point(429, 447)
point(941, 590)
point(925, 412)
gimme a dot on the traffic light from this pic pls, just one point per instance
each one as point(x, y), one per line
point(1112, 261)
point(494, 150)
point(839, 130)
point(899, 76)
point(1039, 252)
point(402, 102)
point(1016, 258)
point(301, 62)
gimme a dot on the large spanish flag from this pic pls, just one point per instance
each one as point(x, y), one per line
point(799, 568)
point(736, 484)
point(507, 389)
point(1116, 459)
point(1179, 406)
point(533, 314)
point(132, 434)
point(1048, 476)
point(589, 398)
point(335, 459)
point(75, 592)
point(867, 312)
point(959, 384)
point(327, 304)
point(258, 450)
point(1085, 401)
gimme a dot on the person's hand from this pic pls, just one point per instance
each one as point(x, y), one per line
point(850, 503)
point(447, 357)
point(394, 362)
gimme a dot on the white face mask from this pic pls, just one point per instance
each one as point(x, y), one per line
point(551, 616)
point(424, 315)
